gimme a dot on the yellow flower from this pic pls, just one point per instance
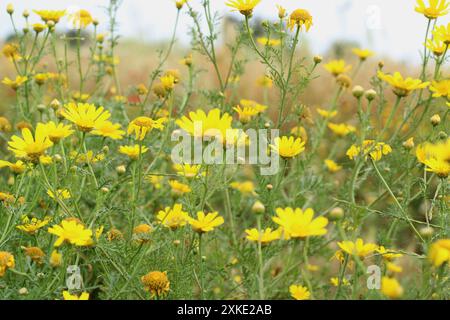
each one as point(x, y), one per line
point(299, 292)
point(245, 114)
point(326, 114)
point(362, 54)
point(281, 12)
point(81, 19)
point(268, 42)
point(246, 187)
point(11, 51)
point(205, 223)
point(188, 171)
point(180, 3)
point(436, 157)
point(29, 147)
point(14, 84)
point(245, 7)
point(85, 116)
point(265, 236)
point(337, 67)
point(179, 188)
point(61, 194)
point(18, 167)
point(265, 82)
point(31, 226)
point(156, 283)
point(155, 181)
point(88, 157)
point(141, 233)
point(288, 147)
point(300, 18)
point(335, 282)
point(173, 218)
point(439, 252)
point(6, 262)
point(392, 267)
point(199, 124)
point(68, 296)
point(108, 129)
point(142, 125)
point(5, 125)
point(357, 248)
point(388, 254)
point(6, 198)
point(55, 259)
point(59, 131)
point(332, 166)
point(436, 46)
point(369, 149)
point(440, 88)
point(297, 223)
point(50, 15)
point(402, 87)
point(36, 254)
point(436, 8)
point(391, 288)
point(168, 82)
point(442, 33)
point(341, 129)
point(73, 232)
point(133, 152)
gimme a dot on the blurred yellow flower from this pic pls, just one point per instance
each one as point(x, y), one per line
point(6, 262)
point(341, 129)
point(436, 8)
point(81, 19)
point(362, 54)
point(326, 114)
point(335, 282)
point(369, 149)
point(16, 83)
point(391, 288)
point(337, 67)
point(189, 171)
point(17, 167)
point(179, 188)
point(50, 15)
point(108, 129)
point(133, 152)
point(68, 296)
point(55, 259)
point(60, 194)
point(442, 33)
point(268, 42)
point(440, 88)
point(245, 7)
point(246, 187)
point(436, 46)
point(439, 252)
point(332, 166)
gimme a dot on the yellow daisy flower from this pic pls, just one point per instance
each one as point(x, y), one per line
point(85, 116)
point(300, 18)
point(205, 223)
point(288, 147)
point(29, 147)
point(435, 9)
point(245, 7)
point(73, 232)
point(337, 67)
point(108, 129)
point(142, 125)
point(358, 248)
point(299, 292)
point(402, 87)
point(297, 223)
point(133, 152)
point(265, 236)
point(174, 217)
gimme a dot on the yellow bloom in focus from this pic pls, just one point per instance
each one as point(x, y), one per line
point(60, 194)
point(402, 87)
point(439, 252)
point(341, 129)
point(246, 187)
point(436, 8)
point(205, 223)
point(299, 292)
point(29, 147)
point(31, 226)
point(55, 259)
point(268, 42)
point(332, 166)
point(391, 288)
point(297, 223)
point(17, 167)
point(68, 296)
point(59, 131)
point(142, 125)
point(362, 54)
point(245, 7)
point(436, 46)
point(442, 33)
point(141, 233)
point(199, 124)
point(369, 149)
point(133, 152)
point(73, 232)
point(300, 18)
point(357, 248)
point(440, 88)
point(173, 218)
point(6, 262)
point(265, 236)
point(50, 15)
point(85, 116)
point(188, 171)
point(179, 188)
point(337, 67)
point(81, 19)
point(180, 3)
point(288, 147)
point(108, 129)
point(16, 83)
point(326, 114)
point(156, 283)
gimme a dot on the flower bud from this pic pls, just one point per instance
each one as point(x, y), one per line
point(57, 158)
point(41, 107)
point(258, 208)
point(442, 135)
point(370, 94)
point(26, 13)
point(10, 8)
point(409, 144)
point(336, 213)
point(104, 189)
point(380, 64)
point(318, 59)
point(435, 120)
point(358, 92)
point(23, 291)
point(121, 169)
point(269, 187)
point(55, 104)
point(426, 232)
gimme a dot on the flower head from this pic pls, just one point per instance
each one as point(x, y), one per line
point(56, 259)
point(436, 157)
point(156, 282)
point(299, 292)
point(245, 7)
point(300, 18)
point(35, 253)
point(60, 194)
point(81, 19)
point(68, 296)
point(402, 87)
point(142, 125)
point(205, 223)
point(288, 147)
point(435, 9)
point(133, 152)
point(369, 149)
point(391, 288)
point(332, 166)
point(73, 232)
point(436, 46)
point(85, 116)
point(173, 218)
point(442, 33)
point(362, 54)
point(179, 188)
point(357, 248)
point(297, 223)
point(110, 130)
point(246, 187)
point(326, 114)
point(199, 124)
point(141, 233)
point(50, 15)
point(59, 131)
point(6, 261)
point(341, 129)
point(265, 236)
point(11, 51)
point(337, 67)
point(16, 83)
point(29, 147)
point(440, 88)
point(439, 252)
point(188, 171)
point(31, 226)
point(17, 167)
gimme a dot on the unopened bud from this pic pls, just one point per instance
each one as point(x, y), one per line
point(435, 120)
point(10, 8)
point(269, 187)
point(121, 169)
point(409, 144)
point(358, 92)
point(258, 207)
point(426, 232)
point(318, 59)
point(336, 213)
point(370, 94)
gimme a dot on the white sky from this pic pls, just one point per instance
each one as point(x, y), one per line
point(390, 27)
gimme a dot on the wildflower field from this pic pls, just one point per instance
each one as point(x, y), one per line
point(249, 169)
